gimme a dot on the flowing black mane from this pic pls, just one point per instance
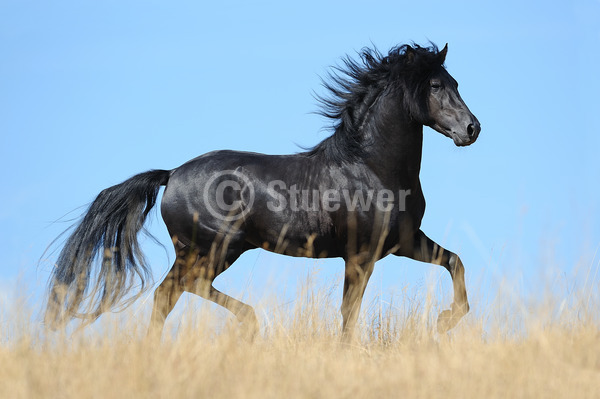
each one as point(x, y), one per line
point(355, 86)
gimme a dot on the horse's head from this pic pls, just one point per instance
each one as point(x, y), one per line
point(448, 113)
point(394, 94)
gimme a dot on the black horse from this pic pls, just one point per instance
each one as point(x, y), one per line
point(356, 195)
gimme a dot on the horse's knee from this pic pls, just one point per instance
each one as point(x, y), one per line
point(455, 265)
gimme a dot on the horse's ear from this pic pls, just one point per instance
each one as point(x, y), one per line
point(410, 54)
point(443, 53)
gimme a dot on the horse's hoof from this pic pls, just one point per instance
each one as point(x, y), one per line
point(447, 320)
point(249, 329)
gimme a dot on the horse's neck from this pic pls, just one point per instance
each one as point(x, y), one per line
point(395, 153)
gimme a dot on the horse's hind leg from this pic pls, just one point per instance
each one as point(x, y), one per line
point(170, 290)
point(200, 279)
point(426, 250)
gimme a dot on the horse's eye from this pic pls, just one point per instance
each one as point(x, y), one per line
point(436, 84)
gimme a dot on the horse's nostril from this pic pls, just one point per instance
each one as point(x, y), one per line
point(471, 130)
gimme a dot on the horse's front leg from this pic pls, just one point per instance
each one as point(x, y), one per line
point(426, 250)
point(356, 278)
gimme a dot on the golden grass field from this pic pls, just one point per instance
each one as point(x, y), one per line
point(549, 348)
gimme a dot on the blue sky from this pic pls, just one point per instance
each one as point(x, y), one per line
point(94, 92)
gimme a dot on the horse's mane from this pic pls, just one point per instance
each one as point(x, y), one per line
point(354, 87)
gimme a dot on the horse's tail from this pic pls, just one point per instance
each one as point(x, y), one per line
point(107, 232)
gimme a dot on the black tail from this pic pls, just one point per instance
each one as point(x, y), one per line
point(107, 232)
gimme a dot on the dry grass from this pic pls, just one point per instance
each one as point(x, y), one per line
point(546, 349)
